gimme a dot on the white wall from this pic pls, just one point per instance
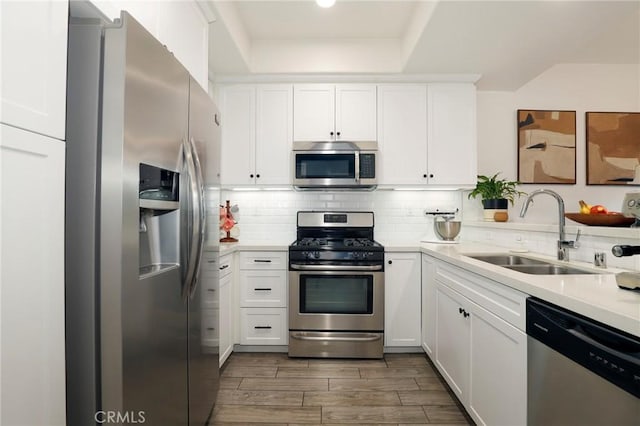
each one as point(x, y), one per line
point(563, 87)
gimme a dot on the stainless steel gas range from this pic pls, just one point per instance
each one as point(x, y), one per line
point(336, 287)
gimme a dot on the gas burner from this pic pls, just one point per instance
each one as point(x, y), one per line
point(357, 242)
point(313, 242)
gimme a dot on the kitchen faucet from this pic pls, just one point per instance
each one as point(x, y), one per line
point(563, 244)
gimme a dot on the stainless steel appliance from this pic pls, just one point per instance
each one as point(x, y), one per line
point(336, 287)
point(580, 372)
point(334, 165)
point(142, 143)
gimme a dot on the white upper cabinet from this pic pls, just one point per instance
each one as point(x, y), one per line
point(179, 25)
point(238, 123)
point(34, 66)
point(452, 152)
point(427, 134)
point(274, 123)
point(327, 112)
point(256, 134)
point(402, 134)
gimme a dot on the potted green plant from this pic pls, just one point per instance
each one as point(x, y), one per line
point(496, 194)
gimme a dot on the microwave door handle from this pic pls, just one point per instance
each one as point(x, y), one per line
point(357, 165)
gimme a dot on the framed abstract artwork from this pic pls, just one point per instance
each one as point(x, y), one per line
point(546, 146)
point(613, 148)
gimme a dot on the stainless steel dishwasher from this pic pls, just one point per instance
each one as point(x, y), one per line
point(580, 372)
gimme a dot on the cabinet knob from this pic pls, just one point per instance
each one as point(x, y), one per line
point(338, 133)
point(431, 175)
point(331, 133)
point(257, 176)
point(390, 262)
point(460, 310)
point(466, 314)
point(424, 175)
point(251, 175)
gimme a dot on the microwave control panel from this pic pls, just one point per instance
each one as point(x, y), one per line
point(367, 166)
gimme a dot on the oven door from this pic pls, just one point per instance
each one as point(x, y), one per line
point(336, 300)
point(325, 168)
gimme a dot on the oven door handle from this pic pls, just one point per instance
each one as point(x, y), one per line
point(299, 267)
point(365, 338)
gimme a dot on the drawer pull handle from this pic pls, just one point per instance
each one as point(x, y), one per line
point(211, 289)
point(224, 267)
point(262, 289)
point(210, 328)
point(262, 260)
point(262, 327)
point(460, 310)
point(211, 261)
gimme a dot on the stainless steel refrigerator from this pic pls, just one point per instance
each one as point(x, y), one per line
point(142, 158)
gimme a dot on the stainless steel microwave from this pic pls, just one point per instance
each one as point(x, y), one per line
point(335, 165)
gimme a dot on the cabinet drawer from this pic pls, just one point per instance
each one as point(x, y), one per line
point(226, 265)
point(263, 260)
point(209, 330)
point(263, 326)
point(505, 302)
point(263, 289)
point(210, 262)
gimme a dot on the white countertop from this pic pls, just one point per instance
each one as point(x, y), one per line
point(594, 296)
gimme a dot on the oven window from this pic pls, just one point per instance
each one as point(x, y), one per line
point(336, 294)
point(325, 166)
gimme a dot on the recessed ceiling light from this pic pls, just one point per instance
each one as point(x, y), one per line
point(325, 3)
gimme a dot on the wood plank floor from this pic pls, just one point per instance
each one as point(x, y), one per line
point(272, 389)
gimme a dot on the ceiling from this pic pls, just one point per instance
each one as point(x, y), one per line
point(507, 43)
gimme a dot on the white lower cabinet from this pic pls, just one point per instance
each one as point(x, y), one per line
point(32, 224)
point(402, 299)
point(263, 298)
point(498, 365)
point(263, 326)
point(428, 306)
point(481, 355)
point(226, 310)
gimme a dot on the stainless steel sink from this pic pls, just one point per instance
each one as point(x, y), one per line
point(527, 265)
point(508, 259)
point(548, 269)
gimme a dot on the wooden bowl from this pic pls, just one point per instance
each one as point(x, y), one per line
point(611, 219)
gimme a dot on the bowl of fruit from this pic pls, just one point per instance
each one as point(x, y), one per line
point(598, 215)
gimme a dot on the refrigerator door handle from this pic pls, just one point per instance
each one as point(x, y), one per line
point(201, 217)
point(193, 219)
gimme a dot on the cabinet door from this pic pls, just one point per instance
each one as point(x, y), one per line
point(498, 386)
point(452, 340)
point(356, 112)
point(313, 112)
point(402, 134)
point(32, 278)
point(274, 134)
point(226, 324)
point(452, 156)
point(428, 306)
point(184, 30)
point(238, 135)
point(402, 299)
point(34, 65)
